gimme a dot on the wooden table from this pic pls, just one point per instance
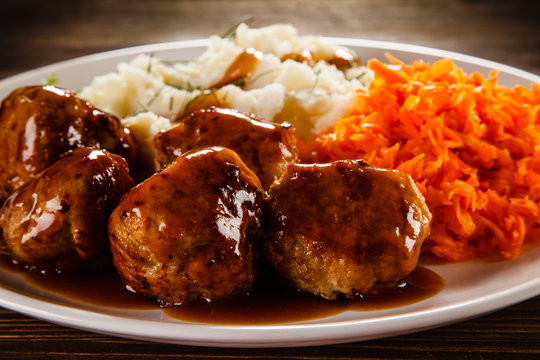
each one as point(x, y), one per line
point(36, 33)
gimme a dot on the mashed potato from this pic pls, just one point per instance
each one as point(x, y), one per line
point(148, 93)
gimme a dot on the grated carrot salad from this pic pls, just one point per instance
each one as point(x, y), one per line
point(471, 145)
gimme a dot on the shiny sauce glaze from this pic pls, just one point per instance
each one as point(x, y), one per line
point(241, 69)
point(266, 148)
point(271, 300)
point(40, 123)
point(341, 59)
point(238, 73)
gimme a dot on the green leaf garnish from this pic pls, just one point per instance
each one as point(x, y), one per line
point(51, 80)
point(189, 87)
point(154, 97)
point(149, 68)
point(231, 33)
point(316, 80)
point(174, 62)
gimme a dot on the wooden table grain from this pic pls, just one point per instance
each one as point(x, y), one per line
point(36, 33)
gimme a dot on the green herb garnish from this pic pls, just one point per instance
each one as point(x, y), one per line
point(202, 96)
point(154, 97)
point(51, 80)
point(173, 62)
point(231, 33)
point(240, 82)
point(362, 75)
point(189, 87)
point(316, 80)
point(263, 74)
point(149, 68)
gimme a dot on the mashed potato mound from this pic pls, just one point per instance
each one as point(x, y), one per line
point(148, 93)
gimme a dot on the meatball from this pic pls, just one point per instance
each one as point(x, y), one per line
point(58, 221)
point(339, 228)
point(265, 147)
point(39, 123)
point(186, 233)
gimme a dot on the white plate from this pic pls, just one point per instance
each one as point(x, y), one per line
point(472, 288)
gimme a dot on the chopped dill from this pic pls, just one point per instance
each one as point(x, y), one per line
point(214, 94)
point(143, 109)
point(154, 97)
point(51, 80)
point(262, 74)
point(349, 64)
point(175, 86)
point(173, 62)
point(316, 80)
point(202, 96)
point(192, 100)
point(231, 33)
point(361, 75)
point(149, 68)
point(189, 87)
point(192, 88)
point(240, 82)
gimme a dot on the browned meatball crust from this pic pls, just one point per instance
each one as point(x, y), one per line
point(265, 147)
point(338, 228)
point(186, 232)
point(59, 219)
point(39, 123)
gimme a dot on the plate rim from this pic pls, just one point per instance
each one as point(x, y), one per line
point(198, 334)
point(346, 41)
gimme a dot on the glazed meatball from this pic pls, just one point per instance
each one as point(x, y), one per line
point(265, 147)
point(39, 123)
point(339, 228)
point(186, 232)
point(58, 221)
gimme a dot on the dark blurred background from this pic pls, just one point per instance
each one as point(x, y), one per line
point(36, 33)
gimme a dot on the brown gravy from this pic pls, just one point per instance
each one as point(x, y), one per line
point(271, 301)
point(241, 69)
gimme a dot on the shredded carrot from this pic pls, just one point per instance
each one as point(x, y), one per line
point(471, 145)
